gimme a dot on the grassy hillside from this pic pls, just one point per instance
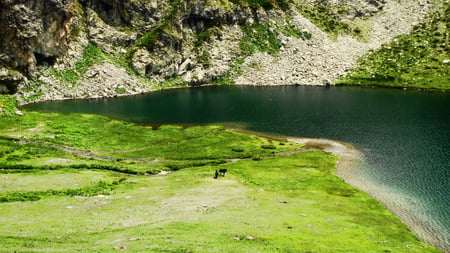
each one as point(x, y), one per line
point(87, 183)
point(420, 59)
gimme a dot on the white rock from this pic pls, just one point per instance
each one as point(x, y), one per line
point(184, 66)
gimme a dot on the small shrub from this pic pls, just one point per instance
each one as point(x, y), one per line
point(204, 59)
point(202, 37)
point(256, 158)
point(268, 146)
point(149, 39)
point(121, 91)
point(265, 4)
point(294, 32)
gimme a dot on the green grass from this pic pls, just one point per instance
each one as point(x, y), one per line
point(292, 31)
point(99, 188)
point(42, 180)
point(92, 55)
point(259, 38)
point(414, 60)
point(130, 144)
point(8, 105)
point(54, 200)
point(327, 19)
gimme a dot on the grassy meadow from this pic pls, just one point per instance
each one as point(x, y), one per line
point(86, 183)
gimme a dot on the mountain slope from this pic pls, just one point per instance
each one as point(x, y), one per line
point(96, 48)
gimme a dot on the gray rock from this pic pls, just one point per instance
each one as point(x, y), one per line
point(185, 66)
point(19, 113)
point(10, 80)
point(141, 59)
point(34, 33)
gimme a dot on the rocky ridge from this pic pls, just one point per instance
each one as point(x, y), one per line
point(145, 45)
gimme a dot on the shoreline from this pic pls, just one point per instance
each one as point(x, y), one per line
point(159, 89)
point(349, 159)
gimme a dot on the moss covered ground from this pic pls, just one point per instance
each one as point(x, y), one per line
point(8, 105)
point(91, 184)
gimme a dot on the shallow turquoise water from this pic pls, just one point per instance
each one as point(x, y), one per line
point(404, 135)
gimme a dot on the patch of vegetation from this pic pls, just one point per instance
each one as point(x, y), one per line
point(265, 4)
point(234, 71)
point(83, 132)
point(202, 37)
point(121, 91)
point(268, 146)
point(8, 105)
point(204, 59)
point(259, 38)
point(203, 56)
point(98, 188)
point(92, 55)
point(328, 20)
point(420, 59)
point(172, 82)
point(21, 168)
point(149, 39)
point(292, 31)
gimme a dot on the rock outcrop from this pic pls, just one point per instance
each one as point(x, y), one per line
point(33, 33)
point(43, 42)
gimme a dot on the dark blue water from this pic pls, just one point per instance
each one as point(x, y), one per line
point(404, 135)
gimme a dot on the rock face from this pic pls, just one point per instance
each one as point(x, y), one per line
point(34, 33)
point(43, 43)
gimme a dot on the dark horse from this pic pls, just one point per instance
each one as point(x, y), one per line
point(222, 172)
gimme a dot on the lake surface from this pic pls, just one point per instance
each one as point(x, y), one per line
point(404, 135)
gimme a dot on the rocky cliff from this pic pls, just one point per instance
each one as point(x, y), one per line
point(54, 49)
